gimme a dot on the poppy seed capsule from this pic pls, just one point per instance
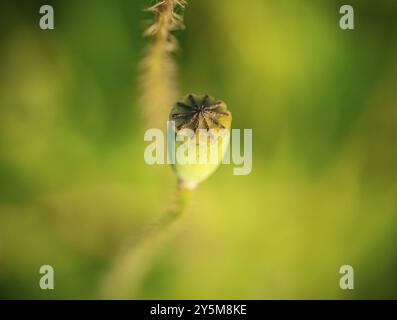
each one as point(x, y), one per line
point(201, 139)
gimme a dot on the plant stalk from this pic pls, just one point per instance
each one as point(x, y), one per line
point(131, 265)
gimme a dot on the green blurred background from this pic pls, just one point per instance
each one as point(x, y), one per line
point(322, 193)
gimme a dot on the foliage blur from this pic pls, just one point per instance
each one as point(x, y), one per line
point(322, 193)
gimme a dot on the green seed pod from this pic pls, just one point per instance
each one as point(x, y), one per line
point(201, 137)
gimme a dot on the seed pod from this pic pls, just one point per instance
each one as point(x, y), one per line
point(201, 139)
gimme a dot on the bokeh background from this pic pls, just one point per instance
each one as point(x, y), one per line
point(322, 193)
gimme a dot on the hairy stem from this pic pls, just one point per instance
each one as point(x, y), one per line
point(158, 87)
point(157, 96)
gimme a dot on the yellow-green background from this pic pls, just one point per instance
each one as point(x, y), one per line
point(323, 189)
